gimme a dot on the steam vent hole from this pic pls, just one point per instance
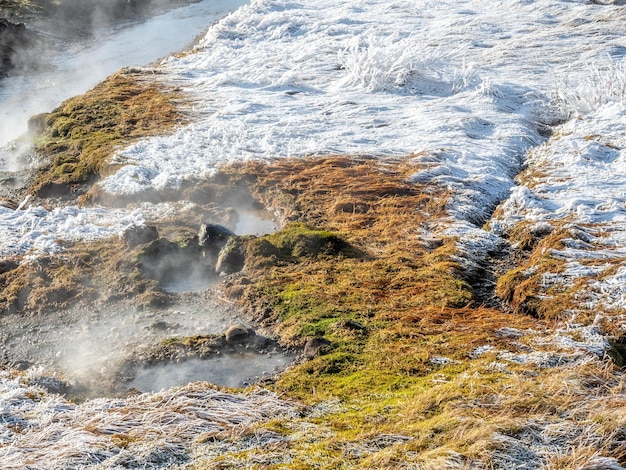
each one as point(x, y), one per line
point(617, 352)
point(194, 264)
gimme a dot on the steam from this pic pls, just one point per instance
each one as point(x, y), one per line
point(251, 223)
point(195, 277)
point(192, 267)
point(79, 45)
point(227, 370)
point(84, 346)
point(82, 43)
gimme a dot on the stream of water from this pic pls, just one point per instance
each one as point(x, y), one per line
point(73, 68)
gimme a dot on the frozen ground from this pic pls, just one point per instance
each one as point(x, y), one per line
point(470, 89)
point(158, 430)
point(467, 87)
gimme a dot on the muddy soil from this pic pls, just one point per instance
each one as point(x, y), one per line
point(109, 350)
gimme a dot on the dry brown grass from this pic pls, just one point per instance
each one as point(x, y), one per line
point(403, 285)
point(405, 288)
point(374, 208)
point(523, 287)
point(92, 272)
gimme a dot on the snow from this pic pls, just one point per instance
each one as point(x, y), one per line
point(37, 230)
point(580, 178)
point(277, 79)
point(467, 86)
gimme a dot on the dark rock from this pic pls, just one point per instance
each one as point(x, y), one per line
point(140, 235)
point(314, 347)
point(231, 258)
point(157, 249)
point(213, 237)
point(52, 385)
point(239, 333)
point(21, 365)
point(14, 40)
point(353, 325)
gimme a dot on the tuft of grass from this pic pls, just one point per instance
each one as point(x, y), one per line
point(97, 271)
point(293, 243)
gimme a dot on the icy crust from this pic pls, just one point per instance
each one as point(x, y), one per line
point(461, 85)
point(36, 230)
point(579, 177)
point(33, 230)
point(278, 79)
point(159, 430)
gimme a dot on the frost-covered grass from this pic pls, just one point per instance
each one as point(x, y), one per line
point(160, 430)
point(572, 197)
point(450, 100)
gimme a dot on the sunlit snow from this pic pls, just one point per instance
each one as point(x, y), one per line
point(468, 86)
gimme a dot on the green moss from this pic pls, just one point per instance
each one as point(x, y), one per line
point(294, 242)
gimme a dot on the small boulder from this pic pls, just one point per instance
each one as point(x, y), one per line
point(231, 257)
point(239, 333)
point(314, 346)
point(213, 237)
point(139, 235)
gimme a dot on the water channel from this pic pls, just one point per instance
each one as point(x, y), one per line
point(73, 67)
